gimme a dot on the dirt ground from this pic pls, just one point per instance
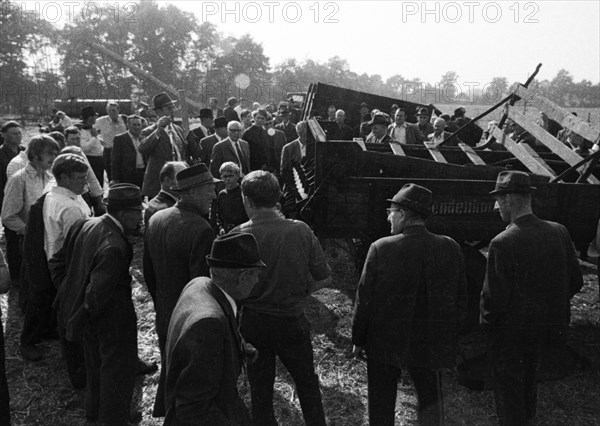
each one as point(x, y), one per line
point(41, 393)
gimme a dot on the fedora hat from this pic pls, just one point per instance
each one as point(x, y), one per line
point(414, 197)
point(513, 182)
point(194, 176)
point(220, 122)
point(87, 112)
point(205, 113)
point(161, 100)
point(423, 111)
point(124, 196)
point(235, 250)
point(379, 119)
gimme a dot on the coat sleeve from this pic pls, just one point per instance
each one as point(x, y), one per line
point(201, 247)
point(216, 159)
point(13, 203)
point(198, 360)
point(364, 298)
point(116, 159)
point(193, 147)
point(498, 283)
point(576, 281)
point(150, 137)
point(148, 266)
point(461, 294)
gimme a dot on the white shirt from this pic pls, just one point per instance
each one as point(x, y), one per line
point(139, 158)
point(398, 133)
point(22, 190)
point(109, 129)
point(436, 139)
point(62, 208)
point(65, 122)
point(91, 145)
point(16, 164)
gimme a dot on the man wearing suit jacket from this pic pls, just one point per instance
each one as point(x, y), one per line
point(164, 141)
point(205, 351)
point(231, 149)
point(404, 132)
point(379, 129)
point(342, 132)
point(229, 112)
point(206, 126)
point(207, 143)
point(410, 303)
point(214, 107)
point(286, 126)
point(257, 139)
point(127, 163)
point(439, 135)
point(277, 141)
point(424, 125)
point(294, 151)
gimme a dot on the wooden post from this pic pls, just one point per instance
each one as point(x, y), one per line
point(184, 111)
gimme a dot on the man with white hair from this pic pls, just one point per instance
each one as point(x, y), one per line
point(341, 132)
point(439, 135)
point(108, 127)
point(233, 149)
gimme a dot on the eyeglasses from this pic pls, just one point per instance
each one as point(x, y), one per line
point(235, 130)
point(391, 210)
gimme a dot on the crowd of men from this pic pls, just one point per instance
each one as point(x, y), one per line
point(229, 274)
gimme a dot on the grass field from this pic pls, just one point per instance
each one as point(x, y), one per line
point(41, 393)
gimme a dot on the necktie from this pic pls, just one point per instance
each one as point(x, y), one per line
point(174, 145)
point(241, 157)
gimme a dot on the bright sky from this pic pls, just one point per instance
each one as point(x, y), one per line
point(477, 39)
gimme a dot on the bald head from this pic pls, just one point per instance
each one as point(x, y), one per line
point(301, 129)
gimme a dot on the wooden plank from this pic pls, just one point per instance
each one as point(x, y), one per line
point(556, 146)
point(520, 153)
point(473, 156)
point(434, 152)
point(539, 159)
point(397, 149)
point(316, 130)
point(561, 115)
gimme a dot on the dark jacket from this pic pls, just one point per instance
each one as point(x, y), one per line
point(123, 159)
point(258, 142)
point(289, 129)
point(156, 147)
point(344, 133)
point(532, 273)
point(276, 143)
point(204, 360)
point(411, 300)
point(34, 255)
point(206, 147)
point(160, 202)
point(231, 114)
point(223, 151)
point(90, 270)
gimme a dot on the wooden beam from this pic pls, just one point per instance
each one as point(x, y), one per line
point(520, 153)
point(561, 115)
point(397, 149)
point(317, 131)
point(539, 159)
point(473, 156)
point(434, 152)
point(556, 146)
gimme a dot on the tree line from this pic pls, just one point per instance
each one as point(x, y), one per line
point(176, 48)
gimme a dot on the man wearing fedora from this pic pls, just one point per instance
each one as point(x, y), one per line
point(207, 143)
point(423, 124)
point(410, 303)
point(532, 273)
point(164, 141)
point(206, 126)
point(403, 132)
point(175, 243)
point(94, 304)
point(205, 352)
point(273, 320)
point(379, 125)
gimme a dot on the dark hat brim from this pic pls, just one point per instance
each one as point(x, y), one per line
point(216, 263)
point(528, 190)
point(194, 185)
point(412, 207)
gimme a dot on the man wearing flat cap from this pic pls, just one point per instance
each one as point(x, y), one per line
point(532, 273)
point(410, 303)
point(205, 352)
point(91, 272)
point(164, 141)
point(175, 244)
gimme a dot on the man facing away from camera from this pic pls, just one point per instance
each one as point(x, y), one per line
point(410, 303)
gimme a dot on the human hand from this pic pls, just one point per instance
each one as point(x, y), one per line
point(359, 353)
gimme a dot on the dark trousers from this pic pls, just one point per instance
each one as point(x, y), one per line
point(4, 396)
point(515, 386)
point(40, 317)
point(110, 346)
point(382, 387)
point(97, 165)
point(160, 410)
point(288, 339)
point(74, 357)
point(106, 158)
point(14, 256)
point(139, 177)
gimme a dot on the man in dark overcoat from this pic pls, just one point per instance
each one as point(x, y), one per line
point(166, 197)
point(94, 303)
point(207, 143)
point(258, 141)
point(532, 273)
point(128, 165)
point(205, 352)
point(410, 303)
point(164, 141)
point(176, 241)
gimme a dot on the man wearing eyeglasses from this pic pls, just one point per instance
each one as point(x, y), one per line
point(231, 149)
point(410, 302)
